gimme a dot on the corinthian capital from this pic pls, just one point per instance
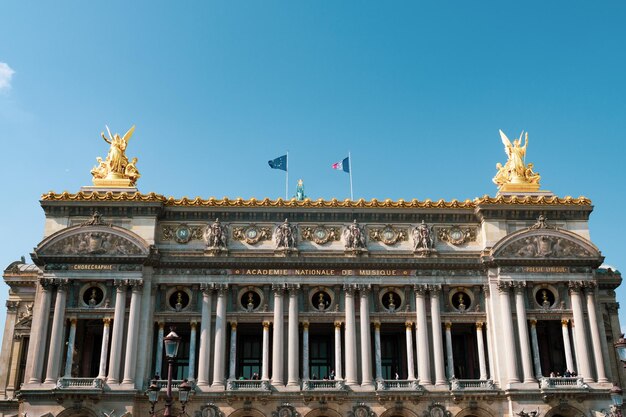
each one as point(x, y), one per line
point(503, 286)
point(420, 289)
point(575, 286)
point(207, 288)
point(435, 290)
point(349, 289)
point(222, 289)
point(364, 289)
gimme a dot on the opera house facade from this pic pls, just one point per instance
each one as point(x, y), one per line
point(496, 306)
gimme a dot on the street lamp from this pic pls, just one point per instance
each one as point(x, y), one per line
point(172, 343)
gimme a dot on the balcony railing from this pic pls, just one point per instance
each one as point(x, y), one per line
point(323, 385)
point(562, 383)
point(162, 384)
point(247, 385)
point(397, 385)
point(471, 385)
point(80, 383)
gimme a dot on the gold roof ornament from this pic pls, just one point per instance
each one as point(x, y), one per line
point(516, 176)
point(116, 171)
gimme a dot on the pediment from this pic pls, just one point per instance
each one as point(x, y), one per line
point(545, 243)
point(93, 241)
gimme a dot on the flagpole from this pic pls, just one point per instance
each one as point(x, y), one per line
point(287, 178)
point(350, 168)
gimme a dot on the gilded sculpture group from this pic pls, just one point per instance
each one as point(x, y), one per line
point(514, 175)
point(116, 165)
point(515, 170)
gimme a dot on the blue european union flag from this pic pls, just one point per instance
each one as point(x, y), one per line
point(279, 163)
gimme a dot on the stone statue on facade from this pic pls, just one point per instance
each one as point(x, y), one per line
point(423, 237)
point(515, 174)
point(354, 237)
point(215, 236)
point(115, 170)
point(285, 235)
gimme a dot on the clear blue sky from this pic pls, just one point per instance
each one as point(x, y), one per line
point(415, 90)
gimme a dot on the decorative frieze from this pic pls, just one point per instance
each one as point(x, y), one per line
point(321, 234)
point(182, 233)
point(95, 242)
point(388, 235)
point(252, 234)
point(457, 235)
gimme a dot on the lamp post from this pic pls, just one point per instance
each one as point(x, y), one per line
point(172, 343)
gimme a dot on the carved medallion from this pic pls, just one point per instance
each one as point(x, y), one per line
point(181, 233)
point(389, 235)
point(320, 234)
point(457, 235)
point(252, 234)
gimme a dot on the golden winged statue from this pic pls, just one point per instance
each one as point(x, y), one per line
point(515, 175)
point(116, 170)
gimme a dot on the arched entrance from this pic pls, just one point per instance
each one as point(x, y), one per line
point(474, 412)
point(398, 412)
point(322, 413)
point(246, 413)
point(564, 411)
point(81, 412)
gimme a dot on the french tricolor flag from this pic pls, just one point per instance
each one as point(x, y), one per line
point(343, 165)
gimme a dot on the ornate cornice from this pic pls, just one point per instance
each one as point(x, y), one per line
point(320, 203)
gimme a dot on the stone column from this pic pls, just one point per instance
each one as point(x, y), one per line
point(423, 353)
point(379, 359)
point(56, 335)
point(584, 367)
point(440, 373)
point(104, 350)
point(305, 350)
point(192, 352)
point(567, 346)
point(115, 358)
point(220, 338)
point(133, 332)
point(278, 355)
point(508, 338)
point(232, 369)
point(522, 328)
point(70, 348)
point(449, 354)
point(293, 353)
point(265, 365)
point(158, 361)
point(34, 365)
point(338, 370)
point(366, 337)
point(595, 334)
point(409, 350)
point(535, 344)
point(482, 363)
point(351, 372)
point(205, 336)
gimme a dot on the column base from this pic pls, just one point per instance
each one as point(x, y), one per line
point(218, 386)
point(293, 386)
point(368, 386)
point(203, 388)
